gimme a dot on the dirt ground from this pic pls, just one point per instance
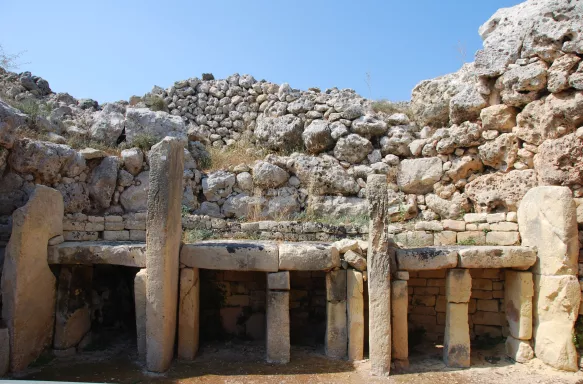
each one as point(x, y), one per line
point(243, 362)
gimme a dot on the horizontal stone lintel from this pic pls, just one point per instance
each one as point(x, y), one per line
point(428, 258)
point(231, 255)
point(129, 254)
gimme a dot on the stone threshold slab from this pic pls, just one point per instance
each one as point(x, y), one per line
point(124, 253)
point(462, 256)
point(231, 255)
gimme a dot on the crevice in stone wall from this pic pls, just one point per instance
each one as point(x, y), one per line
point(307, 308)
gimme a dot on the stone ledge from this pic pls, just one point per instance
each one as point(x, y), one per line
point(427, 258)
point(129, 254)
point(308, 257)
point(231, 255)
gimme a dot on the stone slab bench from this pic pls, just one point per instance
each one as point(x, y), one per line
point(231, 255)
point(427, 258)
point(128, 254)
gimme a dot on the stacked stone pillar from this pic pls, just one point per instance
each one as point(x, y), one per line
point(355, 314)
point(456, 345)
point(163, 238)
point(336, 342)
point(277, 332)
point(400, 303)
point(548, 222)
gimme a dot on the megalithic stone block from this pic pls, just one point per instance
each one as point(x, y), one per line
point(188, 313)
point(458, 285)
point(518, 294)
point(28, 285)
point(380, 259)
point(355, 312)
point(277, 335)
point(456, 345)
point(336, 342)
point(400, 299)
point(140, 304)
point(163, 237)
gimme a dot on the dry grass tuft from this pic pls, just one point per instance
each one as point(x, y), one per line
point(390, 107)
point(242, 152)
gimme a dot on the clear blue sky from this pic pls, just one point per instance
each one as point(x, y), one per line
point(111, 49)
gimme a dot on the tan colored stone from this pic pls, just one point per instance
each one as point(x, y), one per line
point(277, 334)
point(355, 260)
point(399, 302)
point(499, 117)
point(140, 305)
point(355, 312)
point(98, 252)
point(278, 281)
point(345, 245)
point(445, 238)
point(456, 345)
point(548, 222)
point(308, 257)
point(458, 285)
point(429, 258)
point(518, 293)
point(336, 285)
point(28, 285)
point(336, 341)
point(164, 232)
point(232, 255)
point(519, 350)
point(500, 153)
point(454, 225)
point(188, 313)
point(473, 237)
point(496, 257)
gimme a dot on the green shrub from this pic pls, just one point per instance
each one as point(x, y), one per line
point(468, 241)
point(144, 141)
point(578, 333)
point(156, 103)
point(195, 235)
point(390, 107)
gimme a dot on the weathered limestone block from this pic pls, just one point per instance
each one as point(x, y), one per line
point(381, 260)
point(308, 257)
point(519, 350)
point(556, 303)
point(278, 281)
point(73, 315)
point(399, 300)
point(456, 345)
point(277, 334)
point(336, 332)
point(28, 285)
point(98, 252)
point(355, 312)
point(233, 255)
point(164, 229)
point(547, 220)
point(336, 285)
point(4, 351)
point(188, 313)
point(414, 239)
point(458, 286)
point(502, 238)
point(140, 305)
point(497, 257)
point(428, 258)
point(418, 175)
point(518, 293)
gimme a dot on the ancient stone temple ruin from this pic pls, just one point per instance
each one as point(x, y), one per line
point(337, 220)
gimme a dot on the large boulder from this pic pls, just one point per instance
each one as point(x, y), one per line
point(558, 162)
point(133, 159)
point(135, 198)
point(75, 196)
point(496, 192)
point(268, 175)
point(559, 72)
point(500, 153)
point(418, 175)
point(218, 185)
point(369, 125)
point(102, 182)
point(352, 148)
point(522, 84)
point(500, 117)
point(10, 119)
point(156, 124)
point(317, 137)
point(324, 176)
point(466, 134)
point(550, 117)
point(108, 124)
point(279, 133)
point(448, 209)
point(12, 193)
point(397, 140)
point(338, 206)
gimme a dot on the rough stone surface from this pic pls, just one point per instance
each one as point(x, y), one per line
point(518, 293)
point(318, 137)
point(278, 281)
point(399, 303)
point(189, 313)
point(28, 285)
point(501, 118)
point(163, 237)
point(519, 350)
point(308, 257)
point(231, 255)
point(4, 351)
point(456, 345)
point(427, 258)
point(336, 341)
point(418, 175)
point(277, 334)
point(158, 124)
point(557, 161)
point(491, 256)
point(458, 286)
point(284, 132)
point(98, 252)
point(135, 198)
point(140, 304)
point(103, 181)
point(355, 314)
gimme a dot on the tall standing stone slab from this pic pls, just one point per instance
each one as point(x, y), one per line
point(188, 313)
point(399, 299)
point(336, 342)
point(355, 312)
point(163, 236)
point(518, 293)
point(547, 220)
point(4, 351)
point(380, 259)
point(28, 285)
point(456, 345)
point(140, 305)
point(277, 335)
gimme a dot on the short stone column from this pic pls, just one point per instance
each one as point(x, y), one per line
point(518, 293)
point(140, 305)
point(336, 343)
point(400, 303)
point(380, 258)
point(163, 237)
point(188, 313)
point(28, 285)
point(277, 331)
point(456, 345)
point(547, 221)
point(355, 314)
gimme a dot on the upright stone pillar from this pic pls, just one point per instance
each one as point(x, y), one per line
point(4, 351)
point(277, 332)
point(380, 259)
point(336, 342)
point(163, 237)
point(547, 221)
point(456, 345)
point(188, 313)
point(400, 303)
point(28, 285)
point(140, 305)
point(518, 293)
point(355, 312)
